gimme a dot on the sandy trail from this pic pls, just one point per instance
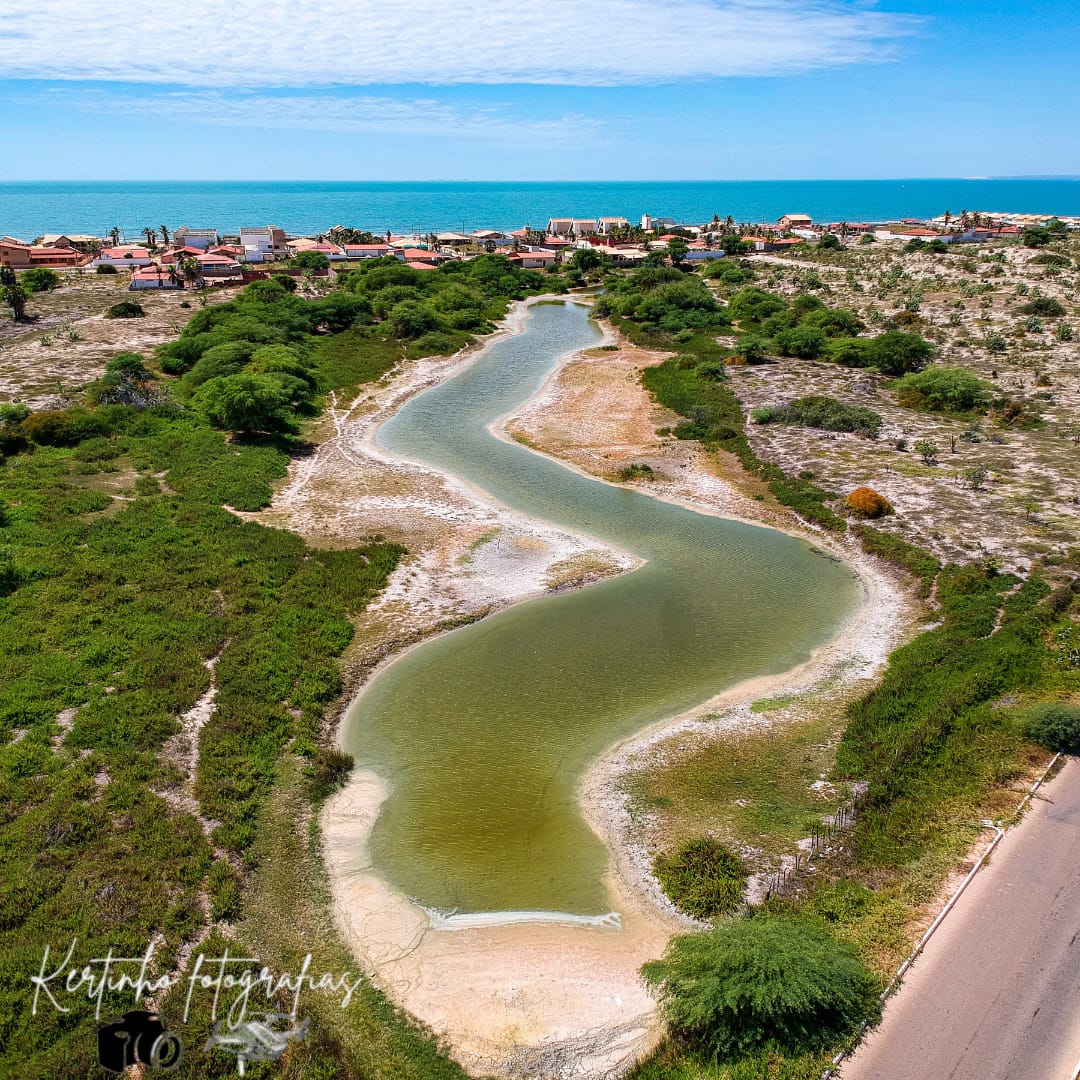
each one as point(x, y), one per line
point(535, 999)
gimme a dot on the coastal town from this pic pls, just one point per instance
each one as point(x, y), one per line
point(184, 257)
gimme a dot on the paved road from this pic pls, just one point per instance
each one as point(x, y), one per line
point(996, 994)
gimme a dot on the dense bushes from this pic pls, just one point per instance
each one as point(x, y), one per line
point(770, 981)
point(1055, 725)
point(927, 736)
point(703, 877)
point(944, 389)
point(714, 416)
point(1045, 306)
point(665, 299)
point(39, 279)
point(819, 411)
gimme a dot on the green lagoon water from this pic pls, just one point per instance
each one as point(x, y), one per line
point(485, 733)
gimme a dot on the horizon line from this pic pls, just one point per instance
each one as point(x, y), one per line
point(1063, 177)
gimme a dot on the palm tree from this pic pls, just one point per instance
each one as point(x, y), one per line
point(948, 218)
point(164, 235)
point(191, 270)
point(114, 233)
point(729, 224)
point(151, 238)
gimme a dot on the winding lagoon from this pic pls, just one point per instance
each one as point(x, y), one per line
point(483, 734)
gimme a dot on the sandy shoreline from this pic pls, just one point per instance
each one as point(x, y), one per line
point(547, 998)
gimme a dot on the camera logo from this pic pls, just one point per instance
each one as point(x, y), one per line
point(138, 1038)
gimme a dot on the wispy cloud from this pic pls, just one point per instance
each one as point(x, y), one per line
point(363, 114)
point(235, 43)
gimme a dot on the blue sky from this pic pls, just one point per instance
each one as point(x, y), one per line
point(564, 89)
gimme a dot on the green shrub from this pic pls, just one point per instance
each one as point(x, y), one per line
point(327, 770)
point(803, 342)
point(1055, 725)
point(1046, 306)
point(944, 389)
point(635, 471)
point(825, 413)
point(105, 268)
point(39, 279)
point(767, 981)
point(126, 309)
point(897, 353)
point(703, 877)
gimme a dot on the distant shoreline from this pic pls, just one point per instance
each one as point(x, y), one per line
point(33, 208)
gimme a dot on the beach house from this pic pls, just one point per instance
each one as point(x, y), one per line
point(264, 243)
point(126, 255)
point(203, 239)
point(795, 221)
point(606, 225)
point(14, 253)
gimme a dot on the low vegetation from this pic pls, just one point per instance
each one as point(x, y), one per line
point(703, 877)
point(944, 389)
point(825, 413)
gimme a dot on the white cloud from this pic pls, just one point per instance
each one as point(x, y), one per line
point(420, 117)
point(231, 43)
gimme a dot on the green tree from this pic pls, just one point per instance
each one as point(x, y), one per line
point(40, 279)
point(246, 403)
point(897, 353)
point(767, 981)
point(804, 342)
point(829, 242)
point(411, 319)
point(730, 244)
point(310, 260)
point(677, 249)
point(13, 293)
point(1036, 236)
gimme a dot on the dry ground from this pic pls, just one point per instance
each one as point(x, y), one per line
point(1029, 506)
point(69, 340)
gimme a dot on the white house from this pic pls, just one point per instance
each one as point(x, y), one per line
point(263, 243)
point(657, 224)
point(366, 251)
point(533, 260)
point(126, 256)
point(196, 238)
point(606, 224)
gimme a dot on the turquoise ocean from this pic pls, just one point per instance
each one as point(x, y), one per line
point(28, 210)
